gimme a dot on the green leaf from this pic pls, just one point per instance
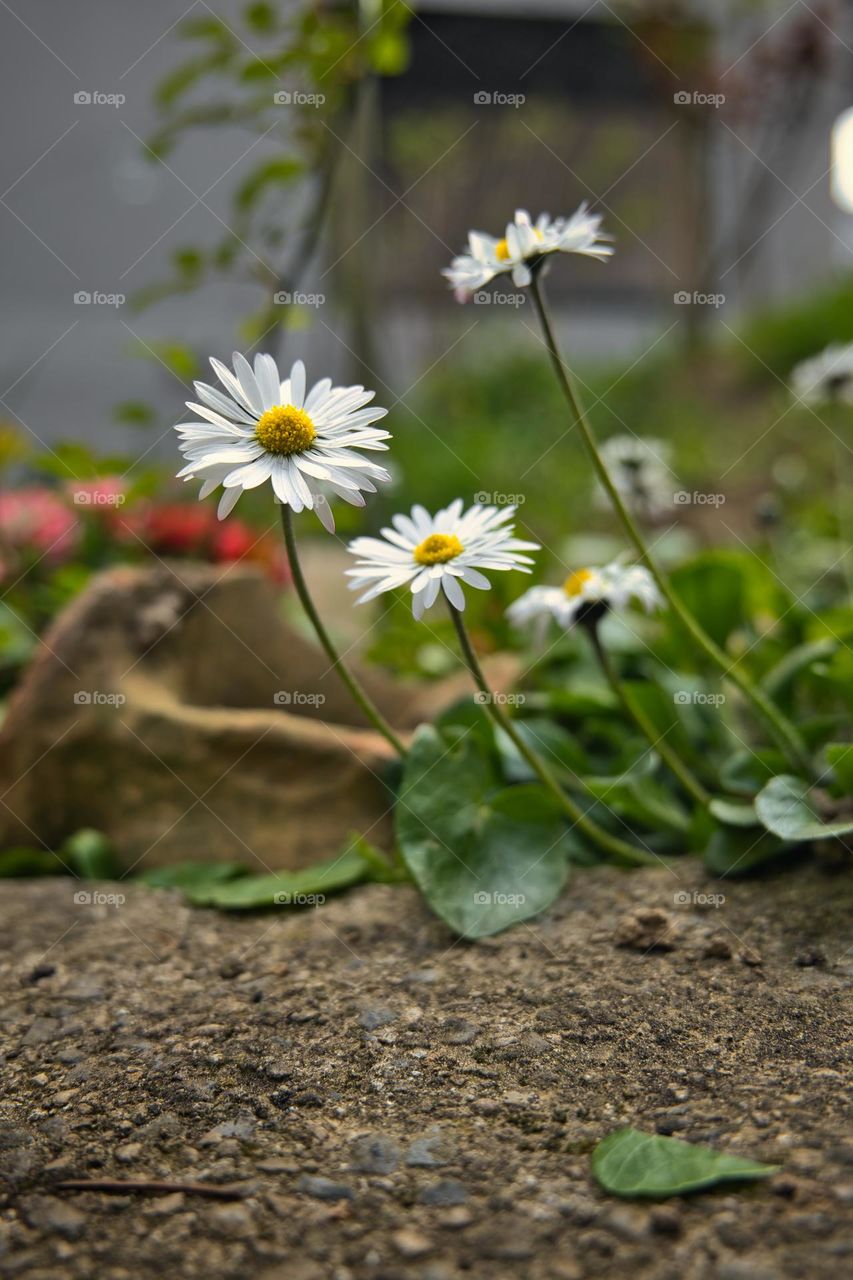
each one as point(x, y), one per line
point(91, 855)
point(191, 875)
point(747, 771)
point(269, 174)
point(22, 860)
point(786, 808)
point(262, 17)
point(136, 412)
point(633, 1164)
point(712, 586)
point(777, 680)
point(483, 856)
point(733, 814)
point(738, 851)
point(307, 887)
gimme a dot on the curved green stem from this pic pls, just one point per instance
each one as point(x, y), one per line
point(619, 850)
point(366, 704)
point(670, 757)
point(782, 729)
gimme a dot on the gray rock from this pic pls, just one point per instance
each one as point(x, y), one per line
point(444, 1193)
point(373, 1153)
point(323, 1188)
point(431, 1151)
point(370, 1019)
point(46, 1213)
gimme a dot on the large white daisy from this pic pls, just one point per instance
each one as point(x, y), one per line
point(587, 594)
point(523, 243)
point(306, 443)
point(440, 552)
point(826, 377)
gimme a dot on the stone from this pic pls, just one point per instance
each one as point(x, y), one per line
point(323, 1188)
point(371, 1019)
point(193, 664)
point(50, 1214)
point(431, 1151)
point(446, 1192)
point(410, 1243)
point(374, 1153)
point(646, 929)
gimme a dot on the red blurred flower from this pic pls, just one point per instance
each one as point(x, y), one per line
point(36, 520)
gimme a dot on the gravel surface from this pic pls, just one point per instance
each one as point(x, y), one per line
point(361, 1096)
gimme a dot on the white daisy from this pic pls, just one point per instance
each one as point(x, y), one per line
point(440, 552)
point(641, 472)
point(525, 241)
point(826, 377)
point(586, 595)
point(306, 445)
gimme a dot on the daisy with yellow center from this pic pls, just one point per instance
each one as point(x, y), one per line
point(307, 443)
point(440, 553)
point(586, 595)
point(525, 243)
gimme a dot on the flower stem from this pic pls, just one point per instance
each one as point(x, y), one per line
point(782, 729)
point(366, 704)
point(669, 756)
point(619, 850)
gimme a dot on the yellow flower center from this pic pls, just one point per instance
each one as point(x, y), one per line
point(285, 429)
point(438, 548)
point(502, 247)
point(575, 583)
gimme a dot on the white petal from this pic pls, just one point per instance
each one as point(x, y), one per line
point(453, 591)
point(228, 501)
point(269, 383)
point(297, 384)
point(248, 382)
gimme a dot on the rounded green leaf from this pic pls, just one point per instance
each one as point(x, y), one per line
point(785, 807)
point(633, 1164)
point(484, 856)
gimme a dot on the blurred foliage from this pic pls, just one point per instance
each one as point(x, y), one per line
point(286, 78)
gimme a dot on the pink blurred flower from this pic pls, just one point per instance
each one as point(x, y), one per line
point(104, 494)
point(36, 520)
